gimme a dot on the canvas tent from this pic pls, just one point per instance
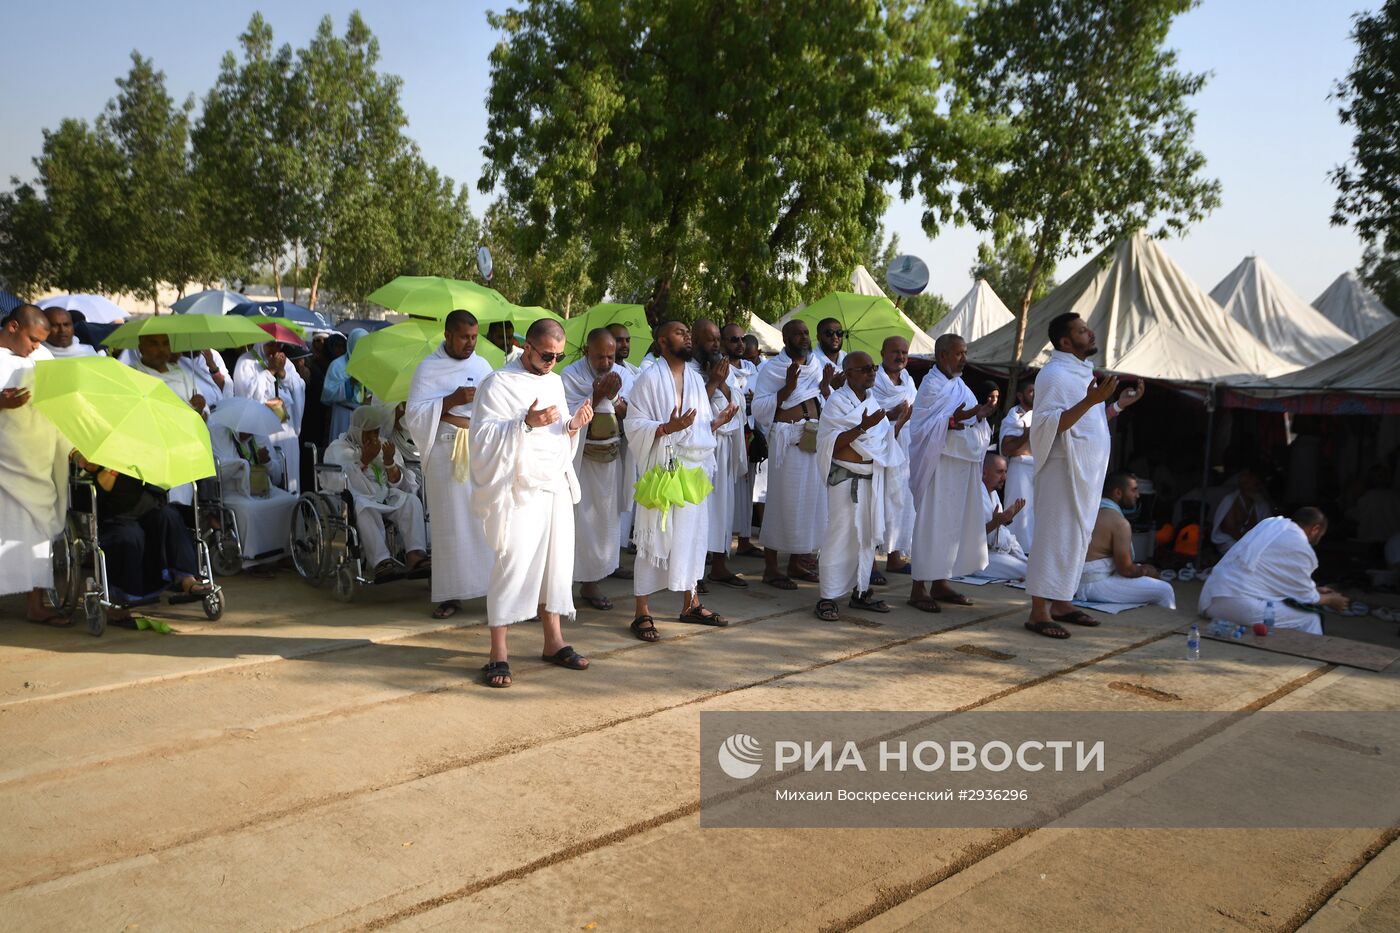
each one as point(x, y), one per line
point(1258, 299)
point(770, 339)
point(1353, 307)
point(978, 314)
point(1368, 370)
point(1150, 318)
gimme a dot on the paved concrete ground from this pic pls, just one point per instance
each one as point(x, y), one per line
point(303, 763)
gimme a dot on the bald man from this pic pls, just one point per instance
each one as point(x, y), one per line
point(726, 389)
point(521, 453)
point(155, 359)
point(62, 342)
point(628, 372)
point(599, 463)
point(1005, 558)
point(787, 400)
point(33, 471)
point(894, 389)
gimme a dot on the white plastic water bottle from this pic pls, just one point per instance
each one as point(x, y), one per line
point(1269, 615)
point(1193, 643)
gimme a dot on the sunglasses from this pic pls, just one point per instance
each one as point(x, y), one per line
point(546, 357)
point(866, 370)
point(833, 333)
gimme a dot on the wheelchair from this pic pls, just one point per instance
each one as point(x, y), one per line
point(80, 566)
point(325, 539)
point(220, 525)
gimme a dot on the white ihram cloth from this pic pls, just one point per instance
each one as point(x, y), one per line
point(628, 478)
point(673, 557)
point(74, 349)
point(1006, 560)
point(1272, 562)
point(376, 498)
point(741, 372)
point(1020, 477)
point(731, 463)
point(1100, 584)
point(204, 382)
point(900, 519)
point(181, 381)
point(950, 538)
point(794, 518)
point(856, 508)
point(264, 522)
point(33, 485)
point(524, 490)
point(252, 379)
point(1257, 512)
point(1069, 472)
point(597, 518)
point(461, 556)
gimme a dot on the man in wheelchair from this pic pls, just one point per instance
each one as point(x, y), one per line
point(381, 488)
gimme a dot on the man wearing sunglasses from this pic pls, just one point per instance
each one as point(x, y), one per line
point(521, 453)
point(669, 424)
point(830, 337)
point(787, 399)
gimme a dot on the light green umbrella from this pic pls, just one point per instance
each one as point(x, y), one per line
point(124, 420)
point(577, 329)
point(435, 297)
point(384, 361)
point(867, 320)
point(190, 332)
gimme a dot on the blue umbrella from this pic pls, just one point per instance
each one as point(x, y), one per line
point(284, 309)
point(9, 302)
point(345, 327)
point(213, 301)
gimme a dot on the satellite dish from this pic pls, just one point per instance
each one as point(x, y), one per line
point(483, 263)
point(907, 276)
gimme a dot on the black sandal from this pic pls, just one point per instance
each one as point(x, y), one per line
point(567, 657)
point(699, 615)
point(868, 602)
point(827, 610)
point(498, 670)
point(1076, 617)
point(1048, 629)
point(645, 629)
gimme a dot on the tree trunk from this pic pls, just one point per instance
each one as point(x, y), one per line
point(316, 281)
point(1022, 318)
point(276, 281)
point(296, 270)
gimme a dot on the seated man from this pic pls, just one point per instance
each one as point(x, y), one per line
point(1270, 572)
point(1239, 511)
point(1005, 558)
point(376, 479)
point(1110, 573)
point(264, 515)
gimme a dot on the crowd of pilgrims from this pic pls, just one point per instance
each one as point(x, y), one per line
point(521, 482)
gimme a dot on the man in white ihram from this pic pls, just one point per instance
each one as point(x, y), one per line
point(726, 386)
point(668, 419)
point(1005, 558)
point(33, 471)
point(1269, 571)
point(894, 389)
point(522, 467)
point(1069, 434)
point(439, 417)
point(1111, 575)
point(949, 435)
point(1015, 441)
point(598, 463)
point(857, 448)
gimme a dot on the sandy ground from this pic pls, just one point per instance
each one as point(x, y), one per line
point(304, 763)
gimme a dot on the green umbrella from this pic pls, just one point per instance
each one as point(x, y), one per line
point(384, 361)
point(124, 420)
point(577, 329)
point(190, 332)
point(435, 297)
point(866, 320)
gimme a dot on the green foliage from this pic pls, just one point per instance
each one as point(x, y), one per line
point(1007, 269)
point(707, 156)
point(1368, 185)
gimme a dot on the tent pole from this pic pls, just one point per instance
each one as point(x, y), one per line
point(1205, 465)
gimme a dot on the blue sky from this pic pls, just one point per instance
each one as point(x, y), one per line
point(1265, 123)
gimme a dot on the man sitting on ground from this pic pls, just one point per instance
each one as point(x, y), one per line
point(1239, 511)
point(1005, 558)
point(1110, 573)
point(381, 487)
point(1269, 571)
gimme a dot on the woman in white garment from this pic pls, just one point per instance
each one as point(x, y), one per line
point(264, 521)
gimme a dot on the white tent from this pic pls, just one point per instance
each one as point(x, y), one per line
point(863, 283)
point(1257, 298)
point(770, 339)
point(978, 314)
point(1370, 367)
point(1150, 318)
point(1353, 307)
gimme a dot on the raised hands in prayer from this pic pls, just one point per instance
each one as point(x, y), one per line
point(719, 372)
point(679, 421)
point(1102, 390)
point(606, 386)
point(1007, 515)
point(13, 398)
point(369, 451)
point(872, 418)
point(541, 417)
point(724, 417)
point(955, 421)
point(581, 417)
point(1131, 394)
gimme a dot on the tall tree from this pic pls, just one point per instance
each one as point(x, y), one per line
point(1006, 267)
point(1076, 129)
point(729, 153)
point(1369, 183)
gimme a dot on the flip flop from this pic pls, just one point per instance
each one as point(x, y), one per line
point(1048, 629)
point(734, 580)
point(446, 609)
point(925, 604)
point(601, 603)
point(781, 583)
point(1077, 617)
point(858, 601)
point(956, 598)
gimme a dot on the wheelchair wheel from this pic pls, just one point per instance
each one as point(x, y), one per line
point(214, 605)
point(95, 612)
point(345, 582)
point(312, 554)
point(224, 554)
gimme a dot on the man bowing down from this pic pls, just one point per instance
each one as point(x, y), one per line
point(522, 467)
point(439, 417)
point(1069, 434)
